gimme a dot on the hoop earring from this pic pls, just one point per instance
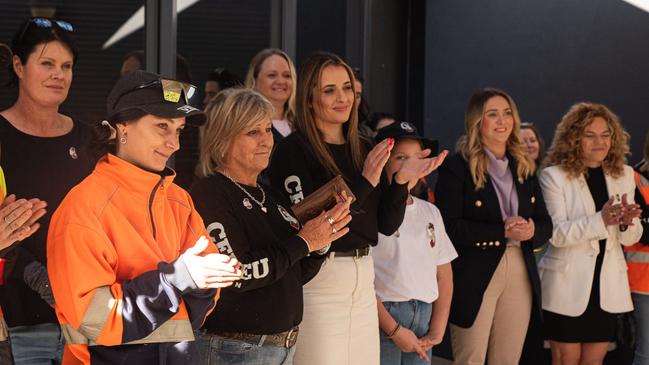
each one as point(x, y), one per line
point(122, 140)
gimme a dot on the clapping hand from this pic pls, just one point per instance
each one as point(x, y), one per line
point(414, 169)
point(376, 160)
point(519, 229)
point(629, 212)
point(213, 270)
point(18, 219)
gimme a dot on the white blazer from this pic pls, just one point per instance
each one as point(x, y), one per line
point(567, 268)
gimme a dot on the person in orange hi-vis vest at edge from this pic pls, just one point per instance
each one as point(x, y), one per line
point(637, 257)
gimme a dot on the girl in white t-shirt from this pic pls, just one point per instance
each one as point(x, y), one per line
point(413, 276)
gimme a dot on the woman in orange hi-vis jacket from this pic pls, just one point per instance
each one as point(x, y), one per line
point(637, 260)
point(131, 269)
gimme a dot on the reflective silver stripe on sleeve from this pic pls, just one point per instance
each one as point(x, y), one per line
point(170, 331)
point(98, 312)
point(637, 256)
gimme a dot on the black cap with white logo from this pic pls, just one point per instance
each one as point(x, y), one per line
point(399, 130)
point(152, 94)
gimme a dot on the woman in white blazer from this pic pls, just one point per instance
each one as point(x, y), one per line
point(589, 194)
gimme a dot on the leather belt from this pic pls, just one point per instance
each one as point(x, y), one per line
point(357, 253)
point(283, 339)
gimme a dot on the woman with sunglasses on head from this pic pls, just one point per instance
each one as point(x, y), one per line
point(133, 272)
point(493, 210)
point(37, 144)
point(340, 323)
point(272, 74)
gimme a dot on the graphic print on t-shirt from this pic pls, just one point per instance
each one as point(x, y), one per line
point(254, 270)
point(288, 217)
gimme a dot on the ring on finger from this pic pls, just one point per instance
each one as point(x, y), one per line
point(330, 220)
point(333, 230)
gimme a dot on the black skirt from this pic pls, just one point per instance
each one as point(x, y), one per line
point(594, 325)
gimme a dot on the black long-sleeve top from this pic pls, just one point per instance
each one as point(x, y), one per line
point(275, 261)
point(296, 172)
point(45, 168)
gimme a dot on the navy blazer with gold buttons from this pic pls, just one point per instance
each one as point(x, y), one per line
point(475, 226)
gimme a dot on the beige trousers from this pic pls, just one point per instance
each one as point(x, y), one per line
point(340, 324)
point(499, 330)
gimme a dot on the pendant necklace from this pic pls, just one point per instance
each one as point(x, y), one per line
point(263, 194)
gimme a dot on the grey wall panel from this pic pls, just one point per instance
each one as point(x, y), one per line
point(546, 54)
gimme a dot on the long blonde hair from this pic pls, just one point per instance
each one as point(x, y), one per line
point(230, 112)
point(471, 146)
point(565, 150)
point(308, 90)
point(255, 67)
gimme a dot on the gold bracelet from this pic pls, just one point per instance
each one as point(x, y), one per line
point(394, 333)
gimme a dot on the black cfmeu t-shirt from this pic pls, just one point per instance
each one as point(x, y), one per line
point(296, 172)
point(274, 260)
point(45, 168)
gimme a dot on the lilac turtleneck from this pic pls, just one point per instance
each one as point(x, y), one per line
point(503, 182)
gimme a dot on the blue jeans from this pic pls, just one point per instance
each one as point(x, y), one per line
point(40, 344)
point(641, 315)
point(413, 315)
point(216, 350)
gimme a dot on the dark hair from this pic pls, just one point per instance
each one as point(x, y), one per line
point(376, 117)
point(100, 142)
point(30, 35)
point(183, 70)
point(364, 112)
point(225, 78)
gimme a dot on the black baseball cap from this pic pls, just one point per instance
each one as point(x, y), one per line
point(399, 130)
point(153, 94)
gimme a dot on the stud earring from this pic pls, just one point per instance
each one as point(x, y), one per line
point(122, 140)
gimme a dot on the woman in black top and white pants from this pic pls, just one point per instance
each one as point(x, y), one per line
point(258, 317)
point(340, 320)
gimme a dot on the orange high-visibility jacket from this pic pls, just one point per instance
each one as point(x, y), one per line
point(637, 256)
point(112, 245)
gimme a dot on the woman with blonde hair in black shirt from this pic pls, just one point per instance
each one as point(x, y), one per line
point(257, 320)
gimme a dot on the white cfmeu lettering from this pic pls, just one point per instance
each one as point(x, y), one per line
point(293, 186)
point(217, 232)
point(259, 269)
point(255, 270)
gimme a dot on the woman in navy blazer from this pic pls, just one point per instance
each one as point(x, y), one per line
point(494, 212)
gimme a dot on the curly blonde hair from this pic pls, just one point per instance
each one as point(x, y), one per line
point(471, 147)
point(565, 150)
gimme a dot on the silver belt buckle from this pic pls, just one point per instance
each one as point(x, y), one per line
point(288, 336)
